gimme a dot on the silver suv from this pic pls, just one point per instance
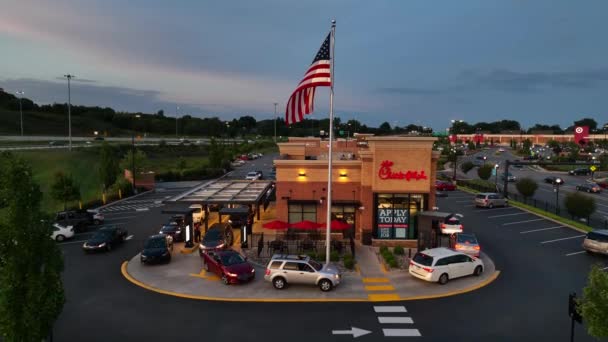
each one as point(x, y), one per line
point(490, 200)
point(300, 269)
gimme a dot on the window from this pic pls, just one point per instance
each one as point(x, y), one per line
point(292, 266)
point(275, 265)
point(443, 261)
point(460, 258)
point(597, 237)
point(302, 211)
point(305, 268)
point(423, 259)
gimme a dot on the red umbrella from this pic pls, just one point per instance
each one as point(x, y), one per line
point(305, 225)
point(337, 225)
point(276, 224)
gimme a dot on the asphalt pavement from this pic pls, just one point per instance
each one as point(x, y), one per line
point(528, 302)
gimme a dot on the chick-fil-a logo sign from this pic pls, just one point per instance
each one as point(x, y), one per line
point(386, 172)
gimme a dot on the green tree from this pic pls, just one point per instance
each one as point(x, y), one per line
point(593, 306)
point(108, 165)
point(471, 145)
point(587, 122)
point(485, 171)
point(216, 154)
point(526, 187)
point(579, 205)
point(526, 146)
point(141, 161)
point(32, 295)
point(466, 166)
point(64, 189)
point(384, 128)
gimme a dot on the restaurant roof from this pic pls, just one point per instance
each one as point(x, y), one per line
point(227, 191)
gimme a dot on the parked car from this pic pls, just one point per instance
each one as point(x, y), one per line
point(596, 241)
point(253, 175)
point(219, 236)
point(444, 186)
point(603, 185)
point(490, 200)
point(229, 265)
point(298, 269)
point(580, 172)
point(61, 233)
point(198, 214)
point(105, 239)
point(173, 231)
point(443, 264)
point(260, 174)
point(481, 157)
point(466, 243)
point(589, 187)
point(516, 165)
point(157, 248)
point(78, 219)
point(501, 149)
point(451, 225)
point(510, 177)
point(553, 179)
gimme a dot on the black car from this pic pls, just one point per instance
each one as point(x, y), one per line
point(219, 236)
point(552, 180)
point(105, 239)
point(156, 249)
point(580, 172)
point(173, 230)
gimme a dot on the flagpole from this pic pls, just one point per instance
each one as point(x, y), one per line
point(331, 138)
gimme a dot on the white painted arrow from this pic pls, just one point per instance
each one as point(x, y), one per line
point(356, 332)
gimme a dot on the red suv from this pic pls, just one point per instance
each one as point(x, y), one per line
point(444, 186)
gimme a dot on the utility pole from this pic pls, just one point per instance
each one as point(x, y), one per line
point(20, 93)
point(133, 151)
point(455, 150)
point(69, 77)
point(275, 122)
point(176, 111)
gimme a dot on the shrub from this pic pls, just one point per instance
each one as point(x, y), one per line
point(393, 263)
point(312, 255)
point(466, 166)
point(383, 249)
point(398, 250)
point(321, 257)
point(579, 205)
point(334, 256)
point(526, 187)
point(485, 171)
point(349, 261)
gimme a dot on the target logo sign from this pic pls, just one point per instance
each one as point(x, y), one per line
point(579, 130)
point(580, 134)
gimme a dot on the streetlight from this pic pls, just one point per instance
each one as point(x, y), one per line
point(454, 149)
point(20, 93)
point(496, 166)
point(558, 181)
point(132, 150)
point(69, 77)
point(275, 122)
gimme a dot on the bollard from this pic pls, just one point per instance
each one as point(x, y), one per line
point(80, 205)
point(103, 198)
point(119, 194)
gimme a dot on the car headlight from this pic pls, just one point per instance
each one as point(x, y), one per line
point(166, 253)
point(178, 232)
point(252, 270)
point(337, 276)
point(220, 246)
point(231, 274)
point(102, 245)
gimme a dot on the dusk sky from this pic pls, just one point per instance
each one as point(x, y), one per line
point(413, 61)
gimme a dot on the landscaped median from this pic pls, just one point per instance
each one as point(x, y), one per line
point(185, 277)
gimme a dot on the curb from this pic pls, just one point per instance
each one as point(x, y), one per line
point(185, 250)
point(126, 275)
point(124, 199)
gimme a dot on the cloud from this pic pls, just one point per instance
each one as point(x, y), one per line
point(407, 91)
point(515, 81)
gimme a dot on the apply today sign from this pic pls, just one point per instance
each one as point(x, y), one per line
point(388, 218)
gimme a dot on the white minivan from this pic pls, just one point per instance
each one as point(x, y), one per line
point(442, 264)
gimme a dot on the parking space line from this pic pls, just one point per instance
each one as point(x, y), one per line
point(375, 280)
point(393, 309)
point(467, 201)
point(505, 215)
point(575, 253)
point(395, 320)
point(72, 242)
point(541, 229)
point(568, 238)
point(503, 208)
point(518, 222)
point(401, 332)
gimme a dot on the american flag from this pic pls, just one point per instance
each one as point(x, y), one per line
point(301, 101)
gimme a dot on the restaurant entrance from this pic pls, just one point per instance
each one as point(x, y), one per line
point(396, 215)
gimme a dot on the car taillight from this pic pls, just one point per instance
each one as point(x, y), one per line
point(460, 227)
point(443, 226)
point(477, 248)
point(267, 271)
point(485, 201)
point(456, 246)
point(428, 269)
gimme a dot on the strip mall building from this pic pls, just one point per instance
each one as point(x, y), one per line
point(380, 184)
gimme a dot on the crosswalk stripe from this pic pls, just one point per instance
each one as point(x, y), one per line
point(390, 309)
point(395, 320)
point(401, 332)
point(379, 288)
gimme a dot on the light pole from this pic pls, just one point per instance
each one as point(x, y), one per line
point(176, 113)
point(557, 183)
point(454, 149)
point(20, 93)
point(275, 122)
point(69, 77)
point(133, 151)
point(496, 166)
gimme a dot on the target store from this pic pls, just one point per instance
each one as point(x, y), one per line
point(381, 185)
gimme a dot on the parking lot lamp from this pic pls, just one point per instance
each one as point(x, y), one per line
point(20, 93)
point(275, 122)
point(69, 78)
point(558, 182)
point(133, 151)
point(496, 166)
